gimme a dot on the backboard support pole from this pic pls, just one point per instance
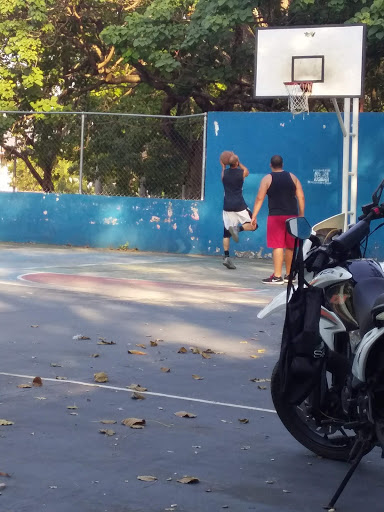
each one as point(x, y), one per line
point(346, 151)
point(341, 122)
point(354, 157)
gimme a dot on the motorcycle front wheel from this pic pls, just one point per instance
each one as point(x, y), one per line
point(331, 441)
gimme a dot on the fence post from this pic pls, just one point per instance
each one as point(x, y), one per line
point(81, 153)
point(203, 157)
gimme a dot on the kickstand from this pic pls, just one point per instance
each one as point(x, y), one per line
point(364, 444)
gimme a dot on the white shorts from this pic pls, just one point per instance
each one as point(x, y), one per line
point(236, 218)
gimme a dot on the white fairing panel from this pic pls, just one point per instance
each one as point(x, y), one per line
point(372, 337)
point(330, 276)
point(277, 304)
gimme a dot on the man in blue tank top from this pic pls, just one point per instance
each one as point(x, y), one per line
point(285, 200)
point(236, 214)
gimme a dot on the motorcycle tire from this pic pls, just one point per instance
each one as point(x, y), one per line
point(336, 448)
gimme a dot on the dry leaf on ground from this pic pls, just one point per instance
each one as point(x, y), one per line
point(24, 386)
point(153, 344)
point(185, 414)
point(262, 387)
point(34, 326)
point(206, 355)
point(105, 342)
point(182, 350)
point(72, 407)
point(4, 474)
point(40, 397)
point(195, 350)
point(137, 396)
point(137, 387)
point(137, 352)
point(165, 370)
point(108, 422)
point(37, 382)
point(261, 351)
point(94, 355)
point(197, 377)
point(189, 480)
point(133, 422)
point(5, 423)
point(61, 378)
point(141, 345)
point(81, 337)
point(244, 420)
point(209, 351)
point(100, 377)
point(107, 432)
point(55, 365)
point(254, 357)
point(147, 478)
point(260, 380)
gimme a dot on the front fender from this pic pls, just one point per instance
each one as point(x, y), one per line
point(277, 304)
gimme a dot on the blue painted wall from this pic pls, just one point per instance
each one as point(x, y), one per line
point(307, 143)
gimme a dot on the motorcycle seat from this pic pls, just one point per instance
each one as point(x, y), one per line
point(366, 294)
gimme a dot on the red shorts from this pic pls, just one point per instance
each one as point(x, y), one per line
point(277, 235)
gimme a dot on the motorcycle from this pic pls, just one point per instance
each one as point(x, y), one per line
point(342, 418)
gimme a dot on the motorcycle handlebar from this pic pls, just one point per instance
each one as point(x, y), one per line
point(319, 262)
point(350, 238)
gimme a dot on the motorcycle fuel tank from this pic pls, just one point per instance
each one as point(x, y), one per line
point(364, 269)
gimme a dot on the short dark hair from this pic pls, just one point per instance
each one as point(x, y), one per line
point(277, 162)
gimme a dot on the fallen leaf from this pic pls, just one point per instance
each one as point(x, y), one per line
point(137, 396)
point(254, 357)
point(94, 355)
point(245, 448)
point(270, 482)
point(104, 342)
point(262, 387)
point(137, 353)
point(55, 365)
point(157, 339)
point(288, 492)
point(141, 345)
point(24, 386)
point(37, 382)
point(197, 377)
point(189, 480)
point(133, 422)
point(261, 351)
point(61, 378)
point(108, 422)
point(34, 326)
point(40, 397)
point(147, 478)
point(107, 432)
point(4, 474)
point(206, 355)
point(100, 377)
point(153, 344)
point(165, 370)
point(184, 414)
point(137, 387)
point(72, 407)
point(209, 351)
point(5, 423)
point(81, 337)
point(243, 341)
point(195, 350)
point(244, 420)
point(260, 380)
point(182, 350)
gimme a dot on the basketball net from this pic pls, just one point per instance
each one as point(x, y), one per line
point(298, 94)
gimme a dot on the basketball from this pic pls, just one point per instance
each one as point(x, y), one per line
point(225, 156)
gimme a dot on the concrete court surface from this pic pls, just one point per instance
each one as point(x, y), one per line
point(58, 460)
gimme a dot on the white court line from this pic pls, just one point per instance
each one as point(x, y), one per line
point(115, 388)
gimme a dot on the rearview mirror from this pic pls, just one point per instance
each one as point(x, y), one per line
point(299, 227)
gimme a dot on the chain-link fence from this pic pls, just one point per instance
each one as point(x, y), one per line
point(103, 153)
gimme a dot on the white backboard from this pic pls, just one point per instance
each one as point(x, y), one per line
point(332, 56)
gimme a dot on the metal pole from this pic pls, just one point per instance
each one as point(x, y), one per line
point(354, 157)
point(346, 148)
point(14, 173)
point(203, 163)
point(81, 154)
point(336, 107)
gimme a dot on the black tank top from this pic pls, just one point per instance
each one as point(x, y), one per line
point(282, 194)
point(233, 180)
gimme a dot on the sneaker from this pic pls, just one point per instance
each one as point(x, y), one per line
point(227, 262)
point(234, 230)
point(273, 280)
point(286, 279)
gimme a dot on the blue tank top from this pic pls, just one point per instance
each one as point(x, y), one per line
point(282, 194)
point(233, 180)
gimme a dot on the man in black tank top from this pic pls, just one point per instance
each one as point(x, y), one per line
point(285, 200)
point(236, 214)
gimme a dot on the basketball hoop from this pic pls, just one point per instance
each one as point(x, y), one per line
point(298, 94)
